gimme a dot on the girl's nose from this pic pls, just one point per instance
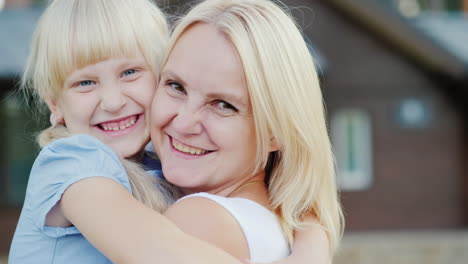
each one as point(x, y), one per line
point(112, 98)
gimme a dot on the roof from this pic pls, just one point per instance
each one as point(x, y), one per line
point(449, 30)
point(16, 28)
point(438, 51)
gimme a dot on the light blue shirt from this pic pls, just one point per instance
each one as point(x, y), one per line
point(60, 164)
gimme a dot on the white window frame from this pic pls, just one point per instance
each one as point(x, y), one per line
point(351, 134)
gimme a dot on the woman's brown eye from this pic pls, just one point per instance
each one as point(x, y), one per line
point(177, 86)
point(225, 106)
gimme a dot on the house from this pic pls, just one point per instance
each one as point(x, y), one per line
point(406, 90)
point(395, 92)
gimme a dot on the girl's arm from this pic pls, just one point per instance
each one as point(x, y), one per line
point(80, 181)
point(311, 246)
point(126, 231)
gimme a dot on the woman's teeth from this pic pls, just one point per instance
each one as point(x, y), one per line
point(115, 126)
point(188, 150)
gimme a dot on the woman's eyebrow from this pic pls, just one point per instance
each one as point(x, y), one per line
point(230, 97)
point(168, 74)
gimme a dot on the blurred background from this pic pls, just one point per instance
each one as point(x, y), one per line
point(395, 80)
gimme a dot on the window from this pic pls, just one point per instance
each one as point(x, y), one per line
point(352, 141)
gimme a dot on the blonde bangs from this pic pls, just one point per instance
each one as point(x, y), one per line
point(73, 34)
point(98, 35)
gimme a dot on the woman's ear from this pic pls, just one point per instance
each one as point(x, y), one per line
point(273, 144)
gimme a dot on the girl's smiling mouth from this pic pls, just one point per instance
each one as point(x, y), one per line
point(119, 124)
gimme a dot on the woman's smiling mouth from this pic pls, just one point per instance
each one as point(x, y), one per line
point(186, 149)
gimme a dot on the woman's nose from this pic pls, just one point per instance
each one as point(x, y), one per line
point(188, 121)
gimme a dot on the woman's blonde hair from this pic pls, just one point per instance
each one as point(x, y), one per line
point(288, 108)
point(72, 34)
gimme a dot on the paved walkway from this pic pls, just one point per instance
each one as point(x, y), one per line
point(428, 247)
point(436, 247)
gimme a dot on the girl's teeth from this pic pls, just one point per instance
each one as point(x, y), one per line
point(119, 125)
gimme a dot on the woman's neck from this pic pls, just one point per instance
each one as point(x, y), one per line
point(252, 188)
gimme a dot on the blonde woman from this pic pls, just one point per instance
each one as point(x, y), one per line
point(238, 116)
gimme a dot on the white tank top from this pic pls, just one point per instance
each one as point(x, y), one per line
point(262, 230)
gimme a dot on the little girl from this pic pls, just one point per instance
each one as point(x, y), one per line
point(95, 64)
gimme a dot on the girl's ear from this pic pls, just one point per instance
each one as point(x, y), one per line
point(56, 116)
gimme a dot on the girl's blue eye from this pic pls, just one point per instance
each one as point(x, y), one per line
point(86, 83)
point(129, 72)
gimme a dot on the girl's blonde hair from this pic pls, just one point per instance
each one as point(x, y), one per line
point(72, 34)
point(288, 108)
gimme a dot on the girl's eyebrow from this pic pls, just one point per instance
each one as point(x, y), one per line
point(132, 63)
point(81, 74)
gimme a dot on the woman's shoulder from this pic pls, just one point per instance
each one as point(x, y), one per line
point(203, 206)
point(208, 220)
point(252, 227)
